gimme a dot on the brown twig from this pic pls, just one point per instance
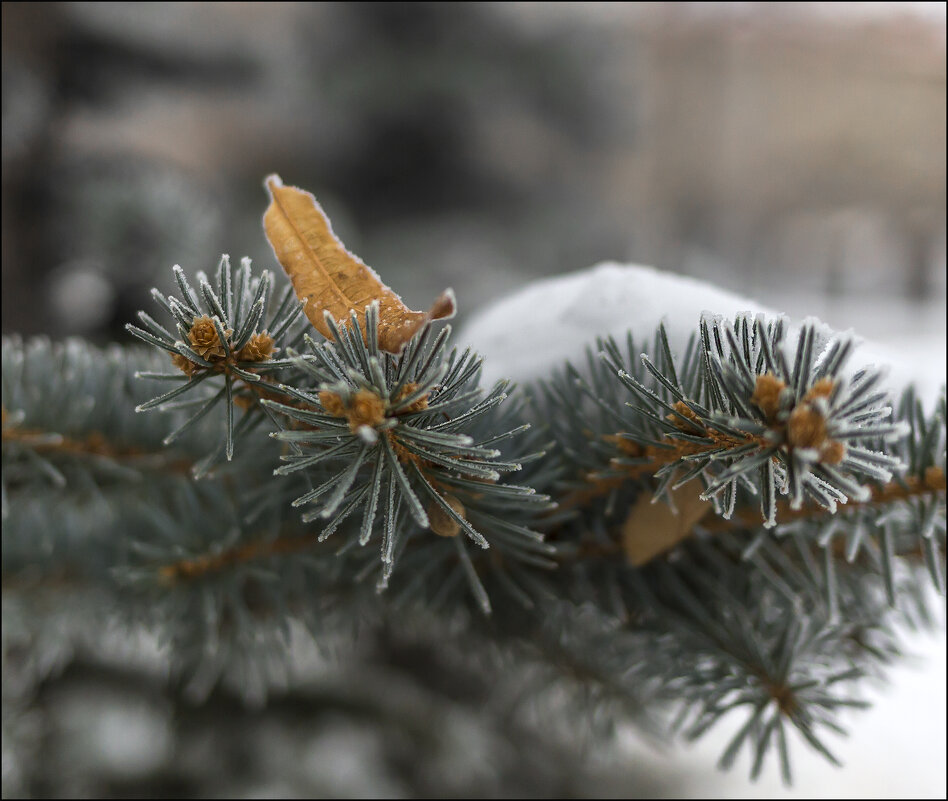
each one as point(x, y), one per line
point(198, 566)
point(598, 484)
point(902, 489)
point(93, 444)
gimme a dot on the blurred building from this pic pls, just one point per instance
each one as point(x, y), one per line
point(474, 145)
point(797, 149)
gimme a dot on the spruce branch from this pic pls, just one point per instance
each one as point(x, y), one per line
point(221, 335)
point(67, 419)
point(770, 588)
point(714, 632)
point(407, 437)
point(624, 455)
point(409, 432)
point(748, 421)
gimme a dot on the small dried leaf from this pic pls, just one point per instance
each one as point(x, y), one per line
point(330, 277)
point(653, 528)
point(441, 522)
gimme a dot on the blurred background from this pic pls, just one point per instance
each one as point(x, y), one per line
point(772, 148)
point(794, 152)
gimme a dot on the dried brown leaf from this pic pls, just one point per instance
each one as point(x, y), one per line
point(331, 278)
point(653, 528)
point(441, 522)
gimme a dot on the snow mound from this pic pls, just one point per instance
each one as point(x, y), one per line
point(526, 335)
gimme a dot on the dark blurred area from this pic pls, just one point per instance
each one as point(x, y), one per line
point(766, 147)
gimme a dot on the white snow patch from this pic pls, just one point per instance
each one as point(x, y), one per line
point(527, 334)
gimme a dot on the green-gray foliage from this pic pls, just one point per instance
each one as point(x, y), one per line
point(187, 518)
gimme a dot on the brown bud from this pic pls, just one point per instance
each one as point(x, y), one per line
point(365, 409)
point(806, 427)
point(185, 365)
point(332, 403)
point(821, 389)
point(766, 395)
point(626, 446)
point(204, 339)
point(685, 411)
point(833, 452)
point(440, 521)
point(404, 455)
point(417, 405)
point(259, 348)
